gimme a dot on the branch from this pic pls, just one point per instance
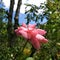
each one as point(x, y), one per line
point(11, 8)
point(17, 14)
point(9, 26)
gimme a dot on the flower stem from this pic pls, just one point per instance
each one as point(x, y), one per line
point(24, 46)
point(33, 51)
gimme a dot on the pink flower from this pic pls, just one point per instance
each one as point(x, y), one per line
point(32, 34)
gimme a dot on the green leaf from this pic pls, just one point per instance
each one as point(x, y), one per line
point(30, 58)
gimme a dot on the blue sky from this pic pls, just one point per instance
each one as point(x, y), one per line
point(22, 10)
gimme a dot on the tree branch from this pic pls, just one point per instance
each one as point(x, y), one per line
point(17, 14)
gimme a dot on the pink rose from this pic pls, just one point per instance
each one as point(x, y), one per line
point(32, 34)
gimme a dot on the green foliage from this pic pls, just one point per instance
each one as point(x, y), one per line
point(52, 27)
point(49, 51)
point(33, 14)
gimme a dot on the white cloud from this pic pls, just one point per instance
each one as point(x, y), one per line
point(36, 2)
point(7, 3)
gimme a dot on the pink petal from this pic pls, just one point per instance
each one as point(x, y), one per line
point(17, 32)
point(38, 36)
point(41, 38)
point(45, 41)
point(32, 26)
point(35, 32)
point(29, 34)
point(23, 28)
point(40, 31)
point(20, 29)
point(35, 43)
point(24, 34)
point(24, 25)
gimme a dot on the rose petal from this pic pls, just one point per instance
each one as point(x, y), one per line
point(24, 34)
point(40, 31)
point(41, 38)
point(35, 43)
point(32, 26)
point(24, 25)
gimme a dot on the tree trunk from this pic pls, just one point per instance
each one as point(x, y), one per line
point(9, 26)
